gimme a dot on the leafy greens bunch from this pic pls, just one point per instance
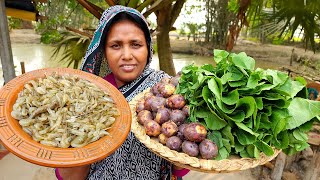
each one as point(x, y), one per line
point(248, 110)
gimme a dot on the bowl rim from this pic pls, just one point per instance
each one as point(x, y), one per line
point(22, 145)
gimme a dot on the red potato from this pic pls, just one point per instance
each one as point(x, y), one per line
point(144, 116)
point(177, 116)
point(208, 149)
point(157, 103)
point(195, 132)
point(176, 101)
point(155, 89)
point(166, 89)
point(182, 127)
point(180, 135)
point(186, 110)
point(148, 94)
point(162, 138)
point(169, 128)
point(162, 115)
point(180, 131)
point(152, 128)
point(174, 143)
point(190, 148)
point(165, 80)
point(148, 101)
point(140, 106)
point(175, 80)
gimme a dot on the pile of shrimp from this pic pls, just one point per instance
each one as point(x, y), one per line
point(64, 111)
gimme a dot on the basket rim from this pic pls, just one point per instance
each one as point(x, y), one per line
point(193, 163)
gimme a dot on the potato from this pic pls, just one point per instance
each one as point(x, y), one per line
point(175, 80)
point(144, 116)
point(176, 101)
point(180, 131)
point(177, 116)
point(162, 115)
point(174, 143)
point(180, 135)
point(166, 89)
point(186, 110)
point(162, 138)
point(152, 128)
point(182, 127)
point(148, 101)
point(155, 90)
point(208, 149)
point(165, 80)
point(169, 128)
point(157, 103)
point(190, 148)
point(140, 106)
point(148, 94)
point(195, 132)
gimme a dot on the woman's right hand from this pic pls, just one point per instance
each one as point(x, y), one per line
point(74, 173)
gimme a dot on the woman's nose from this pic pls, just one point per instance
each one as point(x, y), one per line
point(126, 53)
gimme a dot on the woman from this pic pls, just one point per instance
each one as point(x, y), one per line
point(121, 52)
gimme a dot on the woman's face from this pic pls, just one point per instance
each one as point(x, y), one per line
point(126, 51)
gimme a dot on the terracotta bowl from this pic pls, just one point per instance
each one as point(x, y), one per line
point(22, 145)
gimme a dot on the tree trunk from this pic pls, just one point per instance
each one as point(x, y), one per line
point(163, 41)
point(5, 47)
point(208, 23)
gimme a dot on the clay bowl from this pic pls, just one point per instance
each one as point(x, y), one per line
point(22, 145)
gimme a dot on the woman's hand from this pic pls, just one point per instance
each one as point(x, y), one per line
point(74, 173)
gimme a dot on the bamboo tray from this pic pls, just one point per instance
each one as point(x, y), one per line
point(183, 160)
point(22, 145)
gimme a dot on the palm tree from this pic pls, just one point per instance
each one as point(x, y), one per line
point(287, 17)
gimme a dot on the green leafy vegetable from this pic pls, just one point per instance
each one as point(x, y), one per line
point(248, 110)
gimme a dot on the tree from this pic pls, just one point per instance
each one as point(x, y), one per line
point(286, 17)
point(166, 16)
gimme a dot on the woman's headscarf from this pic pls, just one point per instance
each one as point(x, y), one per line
point(95, 62)
point(132, 160)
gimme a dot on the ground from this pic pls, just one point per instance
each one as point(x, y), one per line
point(267, 56)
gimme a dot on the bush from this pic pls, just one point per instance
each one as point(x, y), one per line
point(50, 37)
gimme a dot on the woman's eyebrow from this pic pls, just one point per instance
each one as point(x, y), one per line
point(136, 41)
point(114, 41)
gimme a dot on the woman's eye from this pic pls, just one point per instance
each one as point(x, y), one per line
point(136, 45)
point(115, 46)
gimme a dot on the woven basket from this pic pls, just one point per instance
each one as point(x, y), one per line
point(183, 160)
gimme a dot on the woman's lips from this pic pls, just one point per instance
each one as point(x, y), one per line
point(128, 67)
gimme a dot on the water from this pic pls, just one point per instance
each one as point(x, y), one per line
point(37, 56)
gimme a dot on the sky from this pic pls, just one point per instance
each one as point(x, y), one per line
point(197, 16)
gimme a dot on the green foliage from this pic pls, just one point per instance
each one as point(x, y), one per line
point(295, 13)
point(248, 110)
point(155, 48)
point(62, 13)
point(233, 6)
point(285, 18)
point(50, 37)
point(14, 23)
point(73, 47)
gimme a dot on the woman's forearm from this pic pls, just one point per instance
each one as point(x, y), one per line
point(74, 173)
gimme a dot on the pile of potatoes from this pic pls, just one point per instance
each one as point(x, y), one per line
point(163, 115)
